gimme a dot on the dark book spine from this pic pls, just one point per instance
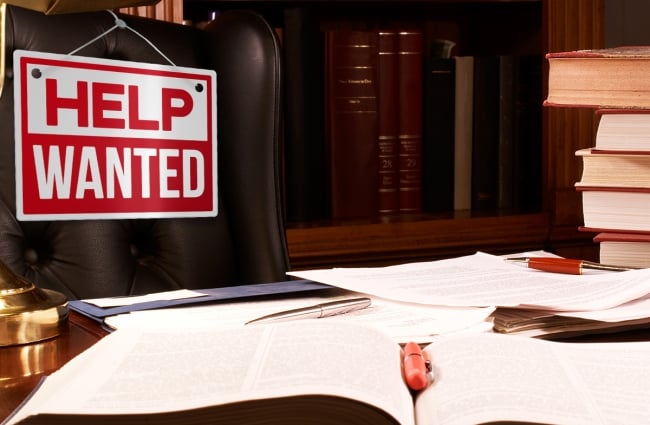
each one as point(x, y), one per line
point(387, 142)
point(506, 107)
point(351, 108)
point(305, 170)
point(438, 134)
point(528, 133)
point(485, 133)
point(410, 120)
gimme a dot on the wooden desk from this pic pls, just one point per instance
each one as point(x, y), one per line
point(21, 367)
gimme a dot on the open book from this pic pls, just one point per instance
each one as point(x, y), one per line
point(319, 372)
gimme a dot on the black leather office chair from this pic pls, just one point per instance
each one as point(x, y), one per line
point(244, 244)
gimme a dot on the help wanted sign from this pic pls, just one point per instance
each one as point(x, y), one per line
point(99, 138)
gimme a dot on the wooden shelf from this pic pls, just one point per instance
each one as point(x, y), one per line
point(413, 240)
point(521, 26)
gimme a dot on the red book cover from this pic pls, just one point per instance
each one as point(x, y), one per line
point(624, 249)
point(600, 189)
point(351, 121)
point(410, 120)
point(590, 229)
point(622, 237)
point(608, 52)
point(387, 142)
point(611, 111)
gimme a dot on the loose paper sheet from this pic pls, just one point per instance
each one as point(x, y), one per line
point(487, 280)
point(402, 321)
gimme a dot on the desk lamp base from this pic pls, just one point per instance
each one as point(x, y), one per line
point(27, 313)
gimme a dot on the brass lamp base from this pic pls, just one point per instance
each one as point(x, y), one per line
point(28, 313)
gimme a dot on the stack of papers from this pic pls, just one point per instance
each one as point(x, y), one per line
point(529, 301)
point(222, 308)
point(412, 302)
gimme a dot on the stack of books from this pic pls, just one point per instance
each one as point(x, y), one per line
point(615, 182)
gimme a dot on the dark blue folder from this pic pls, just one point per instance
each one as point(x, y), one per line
point(227, 293)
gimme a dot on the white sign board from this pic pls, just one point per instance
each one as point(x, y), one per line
point(98, 138)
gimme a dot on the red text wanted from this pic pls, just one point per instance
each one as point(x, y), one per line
point(100, 138)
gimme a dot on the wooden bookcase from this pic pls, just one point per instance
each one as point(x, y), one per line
point(493, 27)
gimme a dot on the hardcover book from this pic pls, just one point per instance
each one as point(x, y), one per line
point(409, 44)
point(527, 133)
point(463, 118)
point(438, 141)
point(351, 121)
point(616, 209)
point(485, 134)
point(387, 140)
point(625, 249)
point(623, 129)
point(612, 77)
point(306, 173)
point(629, 169)
point(333, 373)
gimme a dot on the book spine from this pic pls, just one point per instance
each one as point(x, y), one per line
point(506, 107)
point(527, 190)
point(305, 170)
point(485, 133)
point(352, 122)
point(438, 134)
point(410, 120)
point(387, 140)
point(464, 105)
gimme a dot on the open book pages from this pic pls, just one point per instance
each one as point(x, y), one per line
point(307, 371)
point(486, 378)
point(320, 372)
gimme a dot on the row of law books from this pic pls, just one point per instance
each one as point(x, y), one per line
point(615, 181)
point(399, 127)
point(408, 130)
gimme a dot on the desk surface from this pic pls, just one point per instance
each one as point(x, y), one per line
point(21, 367)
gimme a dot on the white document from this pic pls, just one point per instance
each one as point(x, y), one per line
point(636, 309)
point(156, 296)
point(404, 322)
point(486, 280)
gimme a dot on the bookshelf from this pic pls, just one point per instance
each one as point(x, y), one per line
point(481, 27)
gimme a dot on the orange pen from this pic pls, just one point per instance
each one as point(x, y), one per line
point(415, 368)
point(564, 265)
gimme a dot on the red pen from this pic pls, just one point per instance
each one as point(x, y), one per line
point(415, 367)
point(564, 265)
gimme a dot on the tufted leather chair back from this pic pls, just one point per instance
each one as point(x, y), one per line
point(244, 244)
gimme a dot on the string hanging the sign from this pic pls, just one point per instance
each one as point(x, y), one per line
point(120, 24)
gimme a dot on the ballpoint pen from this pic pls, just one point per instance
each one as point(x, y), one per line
point(564, 265)
point(316, 311)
